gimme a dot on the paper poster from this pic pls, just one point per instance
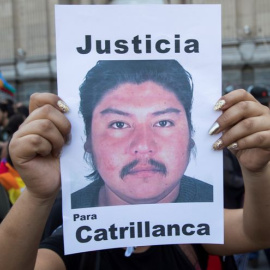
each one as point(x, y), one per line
point(141, 83)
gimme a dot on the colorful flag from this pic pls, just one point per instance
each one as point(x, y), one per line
point(6, 87)
point(11, 181)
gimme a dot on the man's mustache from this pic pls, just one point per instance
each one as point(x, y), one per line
point(155, 166)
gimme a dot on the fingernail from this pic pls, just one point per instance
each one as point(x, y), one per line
point(63, 106)
point(218, 144)
point(219, 105)
point(233, 146)
point(214, 128)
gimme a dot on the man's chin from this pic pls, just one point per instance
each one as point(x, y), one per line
point(144, 176)
point(150, 199)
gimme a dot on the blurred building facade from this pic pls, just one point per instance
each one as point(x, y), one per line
point(27, 43)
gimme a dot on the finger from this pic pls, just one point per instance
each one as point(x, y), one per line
point(30, 146)
point(48, 112)
point(38, 100)
point(46, 129)
point(259, 139)
point(256, 140)
point(258, 147)
point(237, 113)
point(232, 98)
point(246, 128)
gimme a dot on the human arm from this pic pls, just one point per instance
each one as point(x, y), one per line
point(34, 150)
point(245, 125)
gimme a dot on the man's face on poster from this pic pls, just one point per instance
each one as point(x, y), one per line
point(140, 143)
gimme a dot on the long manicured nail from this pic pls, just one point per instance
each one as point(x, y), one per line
point(233, 146)
point(219, 105)
point(214, 128)
point(218, 144)
point(62, 106)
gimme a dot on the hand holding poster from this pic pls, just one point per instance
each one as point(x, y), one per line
point(140, 89)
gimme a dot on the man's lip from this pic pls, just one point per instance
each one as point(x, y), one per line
point(142, 170)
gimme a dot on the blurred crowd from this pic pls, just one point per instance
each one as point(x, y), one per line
point(12, 116)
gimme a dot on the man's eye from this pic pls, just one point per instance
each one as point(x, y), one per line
point(119, 125)
point(164, 123)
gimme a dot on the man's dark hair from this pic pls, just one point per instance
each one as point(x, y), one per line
point(107, 75)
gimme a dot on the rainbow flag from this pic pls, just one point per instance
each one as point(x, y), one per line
point(6, 87)
point(11, 181)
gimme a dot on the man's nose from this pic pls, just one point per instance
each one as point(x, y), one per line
point(143, 141)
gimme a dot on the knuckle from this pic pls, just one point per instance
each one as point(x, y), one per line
point(47, 109)
point(34, 97)
point(243, 94)
point(266, 109)
point(45, 125)
point(261, 138)
point(248, 124)
point(35, 140)
point(242, 91)
point(243, 142)
point(243, 106)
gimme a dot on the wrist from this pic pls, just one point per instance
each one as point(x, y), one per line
point(40, 200)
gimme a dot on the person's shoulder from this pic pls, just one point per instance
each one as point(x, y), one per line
point(194, 190)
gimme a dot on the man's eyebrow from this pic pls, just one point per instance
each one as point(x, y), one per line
point(114, 111)
point(168, 110)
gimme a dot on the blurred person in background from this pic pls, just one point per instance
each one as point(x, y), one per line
point(5, 113)
point(6, 133)
point(21, 108)
point(11, 183)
